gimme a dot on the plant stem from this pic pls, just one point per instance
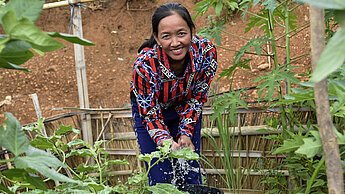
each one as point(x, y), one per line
point(276, 65)
point(271, 34)
point(9, 160)
point(233, 75)
point(294, 7)
point(287, 44)
point(150, 166)
point(64, 161)
point(302, 27)
point(313, 177)
point(238, 51)
point(300, 56)
point(233, 35)
point(9, 180)
point(99, 167)
point(281, 3)
point(253, 14)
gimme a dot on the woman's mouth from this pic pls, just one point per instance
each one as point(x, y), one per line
point(177, 51)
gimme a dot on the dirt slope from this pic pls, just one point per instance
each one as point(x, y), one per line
point(118, 28)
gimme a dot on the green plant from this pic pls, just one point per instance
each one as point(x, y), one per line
point(333, 56)
point(22, 37)
point(13, 138)
point(278, 16)
point(225, 108)
point(45, 163)
point(273, 179)
point(227, 6)
point(140, 180)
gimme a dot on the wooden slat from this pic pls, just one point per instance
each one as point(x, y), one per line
point(121, 136)
point(245, 130)
point(208, 171)
point(127, 113)
point(244, 154)
point(208, 153)
point(250, 130)
point(128, 152)
point(251, 172)
point(114, 173)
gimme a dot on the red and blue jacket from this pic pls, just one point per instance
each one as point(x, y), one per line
point(155, 87)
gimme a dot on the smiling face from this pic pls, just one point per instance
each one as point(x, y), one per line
point(174, 36)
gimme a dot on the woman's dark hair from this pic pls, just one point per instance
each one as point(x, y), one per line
point(162, 12)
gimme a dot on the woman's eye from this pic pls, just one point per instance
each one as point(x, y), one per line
point(182, 33)
point(165, 37)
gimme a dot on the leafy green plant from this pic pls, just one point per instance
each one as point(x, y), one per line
point(333, 55)
point(273, 179)
point(219, 6)
point(140, 180)
point(13, 138)
point(225, 108)
point(46, 164)
point(22, 37)
point(306, 170)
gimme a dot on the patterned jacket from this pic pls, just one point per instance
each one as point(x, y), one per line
point(156, 87)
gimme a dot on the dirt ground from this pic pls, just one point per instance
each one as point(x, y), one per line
point(117, 27)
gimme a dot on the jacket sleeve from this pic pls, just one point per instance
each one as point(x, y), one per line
point(146, 90)
point(192, 108)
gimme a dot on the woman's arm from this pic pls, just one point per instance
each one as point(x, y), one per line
point(146, 90)
point(192, 108)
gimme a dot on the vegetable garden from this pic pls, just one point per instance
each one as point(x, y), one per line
point(288, 138)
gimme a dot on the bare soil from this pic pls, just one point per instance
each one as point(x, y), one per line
point(117, 27)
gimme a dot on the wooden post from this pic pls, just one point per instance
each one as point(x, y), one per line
point(81, 76)
point(329, 139)
point(38, 111)
point(39, 115)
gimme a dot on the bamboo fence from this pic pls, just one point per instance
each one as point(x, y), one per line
point(251, 152)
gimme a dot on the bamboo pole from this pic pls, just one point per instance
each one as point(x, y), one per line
point(64, 3)
point(81, 76)
point(329, 140)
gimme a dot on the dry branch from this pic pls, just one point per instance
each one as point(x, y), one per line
point(329, 140)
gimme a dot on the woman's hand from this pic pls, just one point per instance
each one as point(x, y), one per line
point(185, 141)
point(174, 145)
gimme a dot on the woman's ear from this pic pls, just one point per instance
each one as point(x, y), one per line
point(155, 37)
point(193, 31)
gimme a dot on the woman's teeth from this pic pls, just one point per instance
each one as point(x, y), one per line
point(176, 51)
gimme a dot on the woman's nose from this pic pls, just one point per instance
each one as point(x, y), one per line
point(174, 41)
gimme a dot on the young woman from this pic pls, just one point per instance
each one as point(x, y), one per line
point(171, 77)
